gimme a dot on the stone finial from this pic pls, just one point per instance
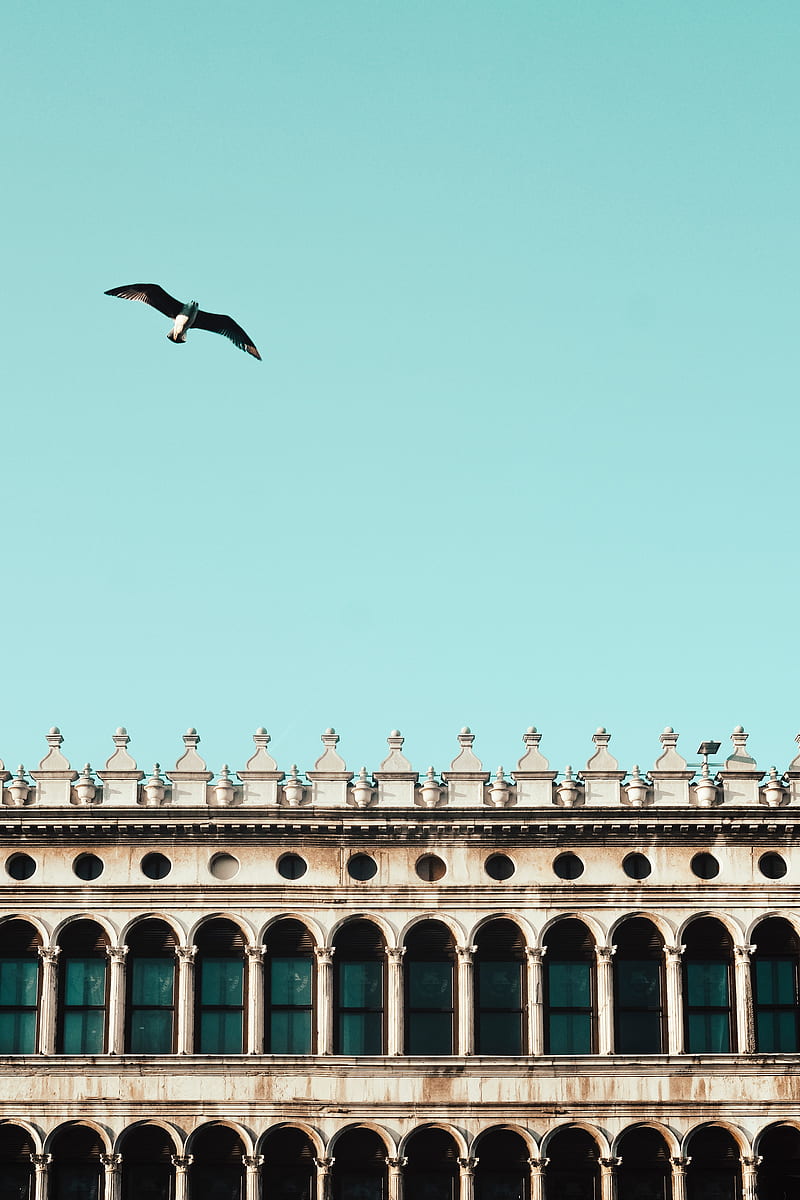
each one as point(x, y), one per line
point(740, 760)
point(636, 788)
point(293, 788)
point(154, 788)
point(532, 759)
point(430, 789)
point(601, 762)
point(466, 761)
point(396, 762)
point(330, 760)
point(363, 789)
point(190, 762)
point(500, 789)
point(774, 790)
point(54, 760)
point(569, 789)
point(19, 788)
point(262, 760)
point(669, 759)
point(120, 760)
point(224, 788)
point(706, 789)
point(85, 788)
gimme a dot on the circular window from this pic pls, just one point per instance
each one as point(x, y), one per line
point(292, 866)
point(771, 865)
point(499, 866)
point(20, 866)
point(88, 866)
point(156, 866)
point(362, 866)
point(636, 866)
point(568, 866)
point(430, 868)
point(705, 866)
point(223, 866)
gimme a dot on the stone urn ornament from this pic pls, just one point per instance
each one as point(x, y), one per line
point(430, 789)
point(293, 789)
point(154, 788)
point(569, 789)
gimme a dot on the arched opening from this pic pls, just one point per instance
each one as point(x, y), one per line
point(147, 1170)
point(359, 1166)
point(776, 995)
point(76, 1172)
point(82, 989)
point(708, 987)
point(572, 1172)
point(19, 987)
point(290, 988)
point(639, 1008)
point(499, 988)
point(714, 1172)
point(219, 988)
point(569, 989)
point(150, 966)
point(288, 1172)
point(779, 1171)
point(429, 989)
point(358, 992)
point(16, 1167)
point(645, 1172)
point(431, 1172)
point(503, 1171)
point(217, 1169)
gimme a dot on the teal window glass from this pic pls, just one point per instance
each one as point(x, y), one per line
point(638, 1006)
point(290, 1005)
point(84, 1001)
point(19, 990)
point(708, 1007)
point(360, 1023)
point(569, 1007)
point(429, 1007)
point(221, 1006)
point(776, 1005)
point(499, 1023)
point(152, 984)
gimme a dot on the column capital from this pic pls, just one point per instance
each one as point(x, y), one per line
point(253, 1162)
point(673, 953)
point(535, 954)
point(255, 953)
point(743, 953)
point(465, 955)
point(117, 954)
point(324, 955)
point(537, 1165)
point(41, 1162)
point(397, 1164)
point(186, 954)
point(181, 1162)
point(395, 954)
point(680, 1163)
point(609, 1164)
point(604, 955)
point(111, 1162)
point(751, 1162)
point(324, 1165)
point(467, 1165)
point(49, 954)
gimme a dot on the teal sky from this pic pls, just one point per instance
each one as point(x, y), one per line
point(522, 448)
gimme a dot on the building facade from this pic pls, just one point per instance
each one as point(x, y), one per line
point(388, 985)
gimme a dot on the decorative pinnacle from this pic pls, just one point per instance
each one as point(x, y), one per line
point(293, 773)
point(567, 772)
point(431, 775)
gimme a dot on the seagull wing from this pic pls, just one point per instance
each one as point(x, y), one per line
point(149, 293)
point(217, 323)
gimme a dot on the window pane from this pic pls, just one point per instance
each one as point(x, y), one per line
point(570, 984)
point(712, 1185)
point(638, 984)
point(639, 1033)
point(430, 985)
point(429, 1187)
point(499, 1186)
point(776, 1030)
point(145, 1182)
point(709, 1033)
point(563, 1185)
point(153, 982)
point(361, 984)
point(15, 1182)
point(216, 1183)
point(221, 1032)
point(83, 1032)
point(707, 984)
point(221, 981)
point(775, 981)
point(77, 1183)
point(85, 981)
point(19, 979)
point(290, 981)
point(151, 1031)
point(641, 1185)
point(290, 1032)
point(570, 1033)
point(430, 1033)
point(361, 1033)
point(288, 1184)
point(500, 984)
point(499, 1033)
point(360, 1186)
point(18, 1032)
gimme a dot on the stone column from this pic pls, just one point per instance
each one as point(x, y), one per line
point(186, 957)
point(181, 1163)
point(605, 1001)
point(466, 1003)
point(324, 1166)
point(750, 1165)
point(679, 1166)
point(674, 989)
point(394, 1000)
point(112, 1164)
point(396, 1166)
point(534, 955)
point(116, 999)
point(466, 1167)
point(745, 1031)
point(252, 1176)
point(537, 1166)
point(608, 1178)
point(41, 1166)
point(255, 999)
point(324, 1000)
point(47, 1019)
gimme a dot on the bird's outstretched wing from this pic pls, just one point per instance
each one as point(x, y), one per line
point(149, 293)
point(218, 323)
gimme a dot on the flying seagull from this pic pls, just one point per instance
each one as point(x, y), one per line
point(185, 316)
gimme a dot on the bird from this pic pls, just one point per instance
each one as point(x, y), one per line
point(185, 316)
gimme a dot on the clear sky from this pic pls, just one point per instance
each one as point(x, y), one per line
point(523, 446)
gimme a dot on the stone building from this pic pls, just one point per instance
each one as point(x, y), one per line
point(339, 986)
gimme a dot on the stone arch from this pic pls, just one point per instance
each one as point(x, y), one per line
point(736, 1132)
point(171, 1130)
point(241, 1130)
point(725, 919)
point(388, 931)
point(506, 1126)
point(311, 1133)
point(235, 919)
point(664, 927)
point(669, 1136)
point(597, 931)
point(33, 1132)
point(524, 926)
point(310, 923)
point(35, 922)
point(455, 927)
point(177, 928)
point(445, 1126)
point(792, 1122)
point(83, 1123)
point(383, 1134)
point(603, 1148)
point(777, 914)
point(98, 918)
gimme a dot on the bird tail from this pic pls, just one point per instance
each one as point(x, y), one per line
point(174, 338)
